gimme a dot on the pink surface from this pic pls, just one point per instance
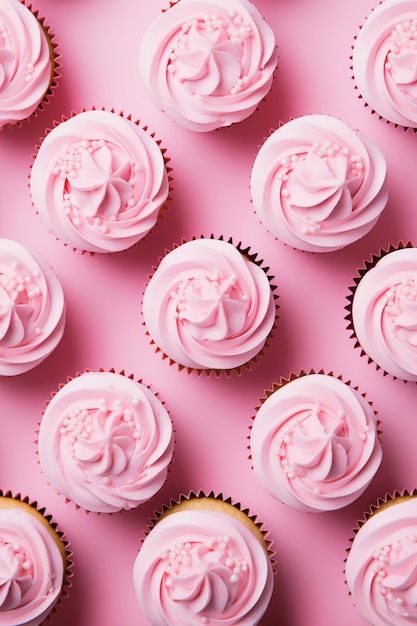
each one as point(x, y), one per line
point(99, 46)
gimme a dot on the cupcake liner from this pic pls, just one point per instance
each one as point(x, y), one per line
point(55, 74)
point(60, 539)
point(132, 240)
point(287, 464)
point(211, 371)
point(379, 89)
point(361, 272)
point(112, 500)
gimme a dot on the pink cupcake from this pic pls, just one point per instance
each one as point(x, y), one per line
point(204, 561)
point(32, 309)
point(29, 62)
point(207, 64)
point(35, 563)
point(209, 306)
point(314, 442)
point(105, 442)
point(99, 181)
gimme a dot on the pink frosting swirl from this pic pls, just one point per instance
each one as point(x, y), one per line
point(207, 306)
point(208, 63)
point(25, 62)
point(385, 61)
point(314, 443)
point(381, 568)
point(31, 569)
point(32, 309)
point(384, 313)
point(202, 567)
point(99, 181)
point(318, 185)
point(105, 442)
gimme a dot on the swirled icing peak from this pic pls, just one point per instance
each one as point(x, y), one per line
point(381, 568)
point(32, 309)
point(314, 443)
point(105, 442)
point(202, 567)
point(208, 63)
point(317, 184)
point(31, 566)
point(384, 313)
point(26, 63)
point(385, 61)
point(99, 181)
point(207, 306)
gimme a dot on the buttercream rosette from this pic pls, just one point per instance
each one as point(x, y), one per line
point(381, 561)
point(204, 560)
point(207, 64)
point(32, 309)
point(105, 441)
point(209, 306)
point(382, 311)
point(35, 562)
point(29, 62)
point(317, 184)
point(314, 442)
point(384, 62)
point(99, 181)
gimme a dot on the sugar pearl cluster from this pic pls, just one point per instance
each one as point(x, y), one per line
point(224, 285)
point(406, 290)
point(179, 558)
point(81, 423)
point(403, 37)
point(215, 30)
point(389, 554)
point(20, 283)
point(15, 556)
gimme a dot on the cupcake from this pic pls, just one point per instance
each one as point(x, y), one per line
point(29, 62)
point(35, 563)
point(99, 181)
point(208, 63)
point(318, 185)
point(204, 561)
point(382, 311)
point(314, 442)
point(32, 309)
point(381, 562)
point(105, 442)
point(384, 62)
point(209, 306)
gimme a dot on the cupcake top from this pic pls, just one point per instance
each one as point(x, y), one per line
point(384, 313)
point(32, 309)
point(32, 564)
point(314, 443)
point(105, 442)
point(27, 65)
point(99, 181)
point(381, 564)
point(317, 184)
point(203, 564)
point(208, 63)
point(208, 306)
point(384, 61)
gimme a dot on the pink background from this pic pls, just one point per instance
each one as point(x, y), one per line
point(99, 46)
